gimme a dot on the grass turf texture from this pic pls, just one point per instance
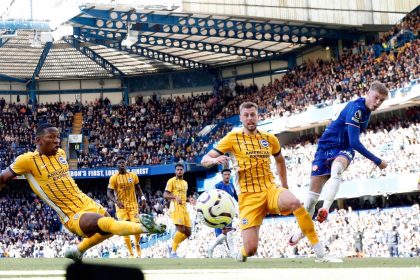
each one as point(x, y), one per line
point(162, 264)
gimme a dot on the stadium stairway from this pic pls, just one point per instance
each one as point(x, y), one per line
point(77, 123)
point(76, 129)
point(64, 144)
point(73, 163)
point(85, 144)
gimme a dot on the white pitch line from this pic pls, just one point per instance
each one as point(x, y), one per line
point(385, 273)
point(33, 272)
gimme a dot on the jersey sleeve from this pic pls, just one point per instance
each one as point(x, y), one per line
point(20, 165)
point(354, 116)
point(136, 179)
point(224, 145)
point(169, 186)
point(275, 143)
point(111, 184)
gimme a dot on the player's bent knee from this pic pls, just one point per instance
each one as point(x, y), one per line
point(294, 204)
point(89, 224)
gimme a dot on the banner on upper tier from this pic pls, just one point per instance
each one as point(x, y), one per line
point(149, 170)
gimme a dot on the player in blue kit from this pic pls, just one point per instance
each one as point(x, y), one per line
point(336, 150)
point(225, 234)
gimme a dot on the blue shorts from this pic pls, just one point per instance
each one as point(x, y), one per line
point(218, 231)
point(324, 158)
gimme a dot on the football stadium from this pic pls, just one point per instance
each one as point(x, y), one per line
point(209, 139)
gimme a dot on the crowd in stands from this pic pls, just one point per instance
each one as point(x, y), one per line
point(18, 124)
point(156, 131)
point(322, 83)
point(166, 130)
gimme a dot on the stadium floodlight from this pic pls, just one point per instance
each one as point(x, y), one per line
point(129, 39)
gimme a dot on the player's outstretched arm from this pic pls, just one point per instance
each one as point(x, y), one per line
point(5, 176)
point(214, 158)
point(354, 140)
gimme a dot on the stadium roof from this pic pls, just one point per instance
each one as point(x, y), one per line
point(122, 41)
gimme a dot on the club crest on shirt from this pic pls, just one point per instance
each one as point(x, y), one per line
point(62, 160)
point(130, 180)
point(314, 167)
point(264, 143)
point(357, 117)
point(244, 221)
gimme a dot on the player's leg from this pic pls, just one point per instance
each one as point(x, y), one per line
point(124, 215)
point(287, 201)
point(338, 166)
point(250, 243)
point(134, 217)
point(317, 182)
point(252, 210)
point(183, 230)
point(137, 239)
point(91, 223)
point(319, 175)
point(179, 236)
point(230, 240)
point(76, 252)
point(315, 188)
point(220, 238)
point(330, 189)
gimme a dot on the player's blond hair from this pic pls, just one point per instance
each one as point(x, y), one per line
point(379, 87)
point(248, 105)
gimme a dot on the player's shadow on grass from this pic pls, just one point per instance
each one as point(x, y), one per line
point(102, 272)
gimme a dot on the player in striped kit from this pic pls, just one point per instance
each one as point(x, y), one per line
point(47, 172)
point(122, 191)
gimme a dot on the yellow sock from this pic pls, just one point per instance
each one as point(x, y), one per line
point(91, 241)
point(243, 252)
point(138, 247)
point(127, 241)
point(123, 228)
point(306, 225)
point(178, 238)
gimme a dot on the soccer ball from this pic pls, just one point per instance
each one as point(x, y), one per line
point(216, 208)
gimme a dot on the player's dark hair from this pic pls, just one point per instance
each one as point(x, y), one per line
point(179, 165)
point(379, 87)
point(121, 158)
point(41, 128)
point(226, 170)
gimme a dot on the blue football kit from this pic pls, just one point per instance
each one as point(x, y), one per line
point(342, 138)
